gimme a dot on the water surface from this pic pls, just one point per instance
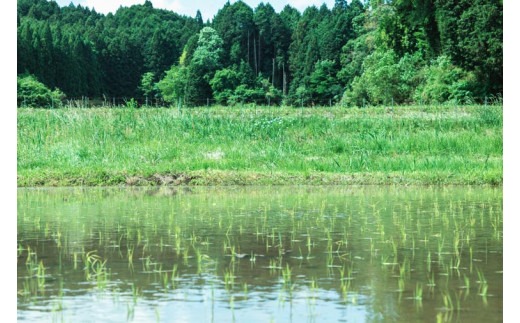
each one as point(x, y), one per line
point(281, 254)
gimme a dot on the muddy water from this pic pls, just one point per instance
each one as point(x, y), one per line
point(282, 254)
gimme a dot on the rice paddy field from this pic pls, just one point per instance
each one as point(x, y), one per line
point(254, 254)
point(250, 145)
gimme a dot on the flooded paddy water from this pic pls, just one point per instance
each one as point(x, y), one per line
point(260, 254)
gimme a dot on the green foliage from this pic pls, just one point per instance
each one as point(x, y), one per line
point(471, 34)
point(205, 62)
point(480, 31)
point(189, 49)
point(302, 94)
point(310, 56)
point(304, 50)
point(174, 85)
point(234, 23)
point(409, 78)
point(274, 38)
point(224, 84)
point(245, 94)
point(147, 84)
point(85, 53)
point(228, 89)
point(445, 82)
point(358, 47)
point(409, 26)
point(32, 93)
point(323, 82)
point(271, 94)
point(386, 79)
point(191, 81)
point(207, 56)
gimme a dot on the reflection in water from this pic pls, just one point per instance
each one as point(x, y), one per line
point(357, 254)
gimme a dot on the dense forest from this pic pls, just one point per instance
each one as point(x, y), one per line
point(356, 53)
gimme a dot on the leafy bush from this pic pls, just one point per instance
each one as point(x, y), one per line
point(445, 82)
point(32, 93)
point(271, 94)
point(243, 94)
point(323, 82)
point(174, 84)
point(261, 92)
point(147, 86)
point(224, 82)
point(385, 79)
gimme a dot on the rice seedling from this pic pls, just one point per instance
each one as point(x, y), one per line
point(466, 287)
point(245, 290)
point(130, 257)
point(403, 235)
point(404, 269)
point(27, 289)
point(482, 290)
point(440, 247)
point(458, 297)
point(130, 312)
point(95, 269)
point(313, 284)
point(330, 261)
point(286, 275)
point(456, 263)
point(300, 256)
point(400, 285)
point(394, 247)
point(275, 264)
point(199, 257)
point(31, 260)
point(157, 315)
point(186, 256)
point(431, 282)
point(174, 276)
point(229, 279)
point(309, 244)
point(40, 275)
point(456, 242)
point(345, 287)
point(57, 311)
point(252, 258)
point(447, 301)
point(444, 316)
point(164, 279)
point(418, 294)
point(232, 306)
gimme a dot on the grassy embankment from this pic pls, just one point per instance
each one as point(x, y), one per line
point(246, 145)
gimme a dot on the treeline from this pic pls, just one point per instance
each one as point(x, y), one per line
point(371, 52)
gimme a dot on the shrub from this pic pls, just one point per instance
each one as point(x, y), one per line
point(32, 93)
point(324, 85)
point(243, 94)
point(174, 84)
point(386, 78)
point(224, 82)
point(445, 82)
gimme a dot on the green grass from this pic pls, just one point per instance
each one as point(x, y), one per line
point(260, 145)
